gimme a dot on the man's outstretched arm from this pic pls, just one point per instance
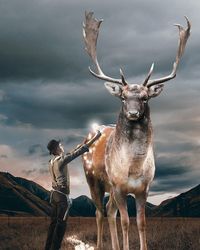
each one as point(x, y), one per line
point(81, 149)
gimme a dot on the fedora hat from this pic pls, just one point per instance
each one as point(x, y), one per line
point(52, 145)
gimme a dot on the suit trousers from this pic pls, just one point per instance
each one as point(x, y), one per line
point(57, 225)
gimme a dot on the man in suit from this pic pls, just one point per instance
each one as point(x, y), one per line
point(60, 201)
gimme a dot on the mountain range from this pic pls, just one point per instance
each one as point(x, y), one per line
point(22, 197)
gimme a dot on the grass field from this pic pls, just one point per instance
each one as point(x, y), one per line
point(20, 233)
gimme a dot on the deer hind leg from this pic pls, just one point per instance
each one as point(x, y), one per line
point(111, 208)
point(121, 202)
point(97, 192)
point(141, 221)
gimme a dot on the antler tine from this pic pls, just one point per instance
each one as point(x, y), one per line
point(149, 75)
point(122, 77)
point(183, 37)
point(90, 34)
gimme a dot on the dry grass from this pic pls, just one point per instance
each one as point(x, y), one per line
point(162, 233)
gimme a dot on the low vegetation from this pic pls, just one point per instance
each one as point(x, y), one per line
point(21, 233)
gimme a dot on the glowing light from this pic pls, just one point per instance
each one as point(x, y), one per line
point(95, 126)
point(85, 157)
point(93, 172)
point(89, 136)
point(78, 244)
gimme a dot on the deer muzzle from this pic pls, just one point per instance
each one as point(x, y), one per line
point(133, 115)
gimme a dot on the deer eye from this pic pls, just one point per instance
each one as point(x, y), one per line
point(145, 99)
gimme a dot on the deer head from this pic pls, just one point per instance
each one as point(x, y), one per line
point(134, 97)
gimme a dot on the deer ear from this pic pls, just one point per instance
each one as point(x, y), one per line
point(155, 90)
point(113, 88)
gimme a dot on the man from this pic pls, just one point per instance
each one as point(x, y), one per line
point(60, 194)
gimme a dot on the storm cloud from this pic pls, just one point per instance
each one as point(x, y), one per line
point(46, 90)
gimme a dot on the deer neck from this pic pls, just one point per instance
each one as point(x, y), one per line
point(134, 132)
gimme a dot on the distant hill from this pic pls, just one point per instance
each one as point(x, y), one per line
point(34, 188)
point(184, 205)
point(82, 206)
point(131, 206)
point(22, 197)
point(19, 196)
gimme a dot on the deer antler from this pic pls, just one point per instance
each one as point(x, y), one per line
point(149, 75)
point(90, 34)
point(183, 37)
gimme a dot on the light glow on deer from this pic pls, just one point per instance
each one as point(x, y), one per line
point(122, 161)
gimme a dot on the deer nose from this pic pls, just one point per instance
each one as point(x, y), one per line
point(134, 113)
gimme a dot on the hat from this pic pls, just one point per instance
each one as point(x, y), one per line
point(52, 145)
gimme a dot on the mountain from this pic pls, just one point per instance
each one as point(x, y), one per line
point(184, 205)
point(132, 207)
point(22, 197)
point(34, 188)
point(82, 206)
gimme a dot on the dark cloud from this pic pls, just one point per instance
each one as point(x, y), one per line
point(57, 106)
point(35, 40)
point(37, 149)
point(43, 170)
point(177, 147)
point(175, 172)
point(173, 185)
point(168, 170)
point(47, 92)
point(73, 138)
point(41, 47)
point(38, 40)
point(3, 156)
point(29, 172)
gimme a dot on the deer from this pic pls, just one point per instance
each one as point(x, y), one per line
point(121, 161)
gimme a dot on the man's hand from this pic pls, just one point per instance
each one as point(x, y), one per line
point(91, 141)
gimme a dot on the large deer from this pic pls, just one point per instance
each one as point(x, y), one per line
point(122, 161)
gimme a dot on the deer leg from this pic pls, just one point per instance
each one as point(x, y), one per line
point(99, 221)
point(111, 208)
point(141, 221)
point(97, 193)
point(121, 202)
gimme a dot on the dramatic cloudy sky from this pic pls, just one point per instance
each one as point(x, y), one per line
point(46, 91)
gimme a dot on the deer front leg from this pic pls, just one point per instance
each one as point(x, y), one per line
point(99, 221)
point(141, 221)
point(121, 202)
point(111, 208)
point(97, 193)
